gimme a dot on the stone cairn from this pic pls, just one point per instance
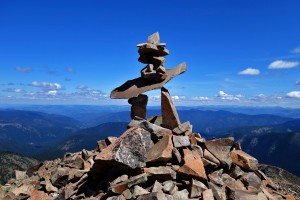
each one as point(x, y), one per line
point(155, 159)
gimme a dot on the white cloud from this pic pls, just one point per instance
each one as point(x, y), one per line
point(46, 85)
point(178, 98)
point(24, 70)
point(280, 64)
point(250, 71)
point(296, 50)
point(200, 98)
point(224, 96)
point(52, 92)
point(294, 94)
point(18, 90)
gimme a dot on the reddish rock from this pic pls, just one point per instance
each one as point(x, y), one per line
point(133, 88)
point(138, 106)
point(39, 195)
point(208, 164)
point(208, 195)
point(122, 186)
point(193, 166)
point(153, 50)
point(196, 188)
point(161, 151)
point(244, 160)
point(220, 148)
point(101, 145)
point(170, 117)
point(157, 120)
point(210, 157)
point(216, 177)
point(160, 173)
point(182, 128)
point(240, 194)
point(198, 149)
point(129, 150)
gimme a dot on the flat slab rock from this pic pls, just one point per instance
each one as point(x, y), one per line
point(133, 88)
point(129, 150)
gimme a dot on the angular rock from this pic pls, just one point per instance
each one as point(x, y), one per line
point(196, 188)
point(169, 187)
point(181, 195)
point(157, 120)
point(122, 178)
point(156, 61)
point(101, 145)
point(208, 195)
point(153, 50)
point(217, 191)
point(20, 174)
point(59, 177)
point(138, 106)
point(152, 128)
point(177, 155)
point(170, 117)
point(138, 191)
point(110, 140)
point(216, 177)
point(220, 148)
point(208, 165)
point(236, 171)
point(161, 173)
point(181, 141)
point(250, 179)
point(161, 151)
point(127, 194)
point(198, 149)
point(122, 186)
point(244, 160)
point(153, 196)
point(36, 194)
point(193, 166)
point(240, 194)
point(210, 157)
point(138, 86)
point(157, 187)
point(182, 128)
point(154, 38)
point(129, 150)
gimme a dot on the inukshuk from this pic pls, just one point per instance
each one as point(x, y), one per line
point(153, 76)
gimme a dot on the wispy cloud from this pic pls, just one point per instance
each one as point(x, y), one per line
point(294, 94)
point(178, 98)
point(23, 70)
point(46, 85)
point(296, 50)
point(224, 96)
point(249, 71)
point(280, 64)
point(70, 70)
point(200, 98)
point(15, 90)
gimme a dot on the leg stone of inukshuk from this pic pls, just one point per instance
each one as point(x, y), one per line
point(138, 106)
point(170, 117)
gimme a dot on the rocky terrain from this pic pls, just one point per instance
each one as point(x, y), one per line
point(9, 162)
point(155, 158)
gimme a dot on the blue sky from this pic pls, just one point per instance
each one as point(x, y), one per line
point(76, 52)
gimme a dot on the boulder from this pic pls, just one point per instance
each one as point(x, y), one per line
point(193, 166)
point(182, 128)
point(129, 150)
point(196, 188)
point(250, 179)
point(181, 141)
point(220, 148)
point(160, 173)
point(161, 151)
point(244, 160)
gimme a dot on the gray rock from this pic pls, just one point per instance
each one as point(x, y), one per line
point(153, 196)
point(181, 141)
point(129, 150)
point(182, 128)
point(157, 187)
point(250, 179)
point(196, 188)
point(138, 191)
point(177, 155)
point(169, 187)
point(181, 195)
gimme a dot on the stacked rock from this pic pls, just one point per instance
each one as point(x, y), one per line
point(151, 53)
point(153, 76)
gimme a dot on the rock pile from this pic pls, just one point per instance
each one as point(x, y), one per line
point(155, 158)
